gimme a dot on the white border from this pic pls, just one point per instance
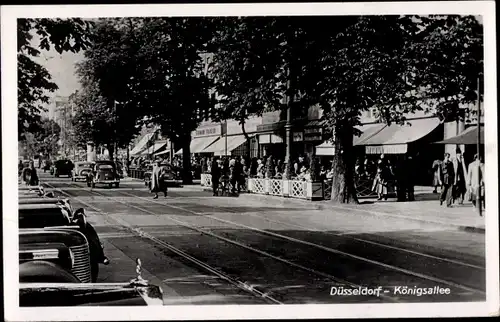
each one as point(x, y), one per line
point(9, 130)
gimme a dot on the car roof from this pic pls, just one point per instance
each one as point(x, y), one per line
point(83, 162)
point(38, 206)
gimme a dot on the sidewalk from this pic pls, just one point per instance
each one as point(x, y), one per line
point(425, 208)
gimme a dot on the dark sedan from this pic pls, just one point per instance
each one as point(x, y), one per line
point(104, 172)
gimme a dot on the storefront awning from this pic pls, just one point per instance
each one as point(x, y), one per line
point(199, 144)
point(367, 131)
point(141, 145)
point(469, 136)
point(156, 147)
point(219, 147)
point(325, 149)
point(394, 139)
point(270, 139)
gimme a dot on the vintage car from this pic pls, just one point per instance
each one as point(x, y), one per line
point(81, 171)
point(32, 216)
point(103, 172)
point(65, 290)
point(62, 168)
point(32, 200)
point(66, 248)
point(172, 177)
point(46, 164)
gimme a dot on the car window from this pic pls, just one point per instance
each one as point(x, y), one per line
point(105, 167)
point(85, 165)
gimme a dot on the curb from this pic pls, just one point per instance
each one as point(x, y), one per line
point(470, 229)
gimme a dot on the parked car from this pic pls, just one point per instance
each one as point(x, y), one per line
point(63, 168)
point(66, 291)
point(81, 171)
point(65, 248)
point(57, 214)
point(103, 172)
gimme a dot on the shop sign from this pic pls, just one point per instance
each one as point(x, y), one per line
point(298, 136)
point(208, 131)
point(314, 137)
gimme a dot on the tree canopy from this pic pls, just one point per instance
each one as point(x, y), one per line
point(34, 81)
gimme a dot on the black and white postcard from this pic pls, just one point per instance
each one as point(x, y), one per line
point(249, 161)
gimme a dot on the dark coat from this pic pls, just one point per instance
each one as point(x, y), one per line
point(215, 170)
point(447, 173)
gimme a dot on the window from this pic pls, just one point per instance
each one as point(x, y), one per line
point(105, 167)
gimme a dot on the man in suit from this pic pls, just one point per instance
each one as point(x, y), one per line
point(447, 177)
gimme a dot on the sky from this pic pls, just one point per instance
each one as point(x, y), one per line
point(62, 68)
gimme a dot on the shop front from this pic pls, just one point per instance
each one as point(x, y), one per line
point(203, 137)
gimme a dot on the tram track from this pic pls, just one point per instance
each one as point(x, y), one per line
point(141, 233)
point(330, 277)
point(327, 249)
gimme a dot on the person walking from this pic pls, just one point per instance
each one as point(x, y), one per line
point(29, 175)
point(409, 178)
point(436, 166)
point(460, 185)
point(476, 179)
point(447, 177)
point(216, 172)
point(155, 179)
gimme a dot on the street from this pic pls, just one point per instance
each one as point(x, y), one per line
point(251, 250)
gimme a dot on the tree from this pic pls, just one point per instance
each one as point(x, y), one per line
point(34, 81)
point(106, 75)
point(397, 64)
point(43, 138)
point(171, 86)
point(245, 85)
point(347, 65)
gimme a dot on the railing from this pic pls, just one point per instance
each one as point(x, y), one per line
point(298, 189)
point(276, 187)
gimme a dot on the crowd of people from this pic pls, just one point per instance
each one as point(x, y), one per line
point(456, 180)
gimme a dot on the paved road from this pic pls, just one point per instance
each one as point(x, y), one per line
point(240, 250)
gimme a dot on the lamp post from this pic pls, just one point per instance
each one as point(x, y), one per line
point(225, 138)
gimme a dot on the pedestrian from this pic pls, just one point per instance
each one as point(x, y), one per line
point(436, 166)
point(155, 179)
point(382, 177)
point(216, 172)
point(476, 180)
point(29, 175)
point(460, 185)
point(409, 178)
point(447, 177)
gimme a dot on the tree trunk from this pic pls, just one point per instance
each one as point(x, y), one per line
point(111, 148)
point(187, 177)
point(343, 187)
point(247, 146)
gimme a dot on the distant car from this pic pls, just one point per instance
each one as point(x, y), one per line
point(81, 171)
point(63, 168)
point(47, 164)
point(103, 172)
